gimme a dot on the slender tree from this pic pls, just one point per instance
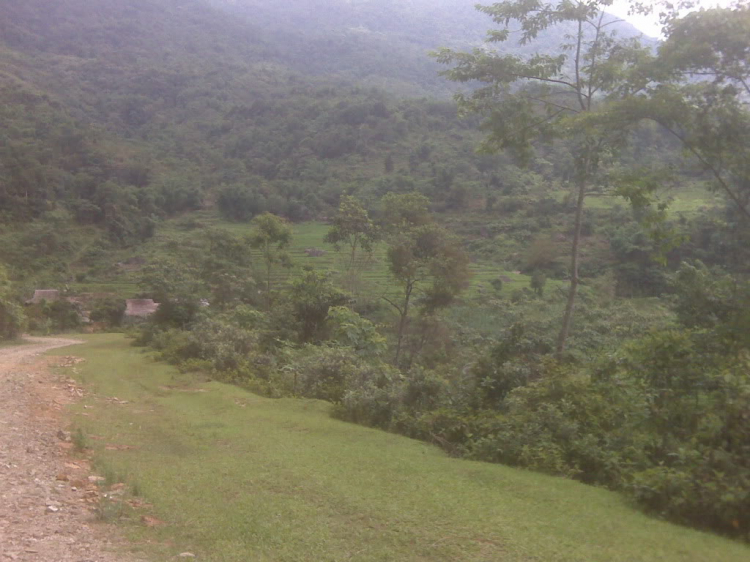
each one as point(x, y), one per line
point(352, 227)
point(271, 235)
point(427, 263)
point(566, 95)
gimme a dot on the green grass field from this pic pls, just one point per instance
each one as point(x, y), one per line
point(687, 200)
point(237, 478)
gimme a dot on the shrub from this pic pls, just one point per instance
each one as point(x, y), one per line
point(109, 310)
point(12, 319)
point(328, 373)
point(56, 316)
point(240, 202)
point(174, 345)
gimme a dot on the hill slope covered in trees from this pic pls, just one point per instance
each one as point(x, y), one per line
point(162, 148)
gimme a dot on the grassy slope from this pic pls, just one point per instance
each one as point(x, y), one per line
point(237, 477)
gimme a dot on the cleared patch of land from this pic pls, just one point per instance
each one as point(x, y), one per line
point(236, 477)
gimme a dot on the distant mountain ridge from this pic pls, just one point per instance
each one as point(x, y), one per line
point(384, 43)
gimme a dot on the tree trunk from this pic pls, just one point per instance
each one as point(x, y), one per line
point(573, 291)
point(402, 325)
point(353, 255)
point(268, 280)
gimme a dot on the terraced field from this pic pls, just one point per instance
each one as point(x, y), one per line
point(307, 250)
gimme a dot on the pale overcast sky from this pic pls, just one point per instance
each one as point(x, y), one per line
point(650, 24)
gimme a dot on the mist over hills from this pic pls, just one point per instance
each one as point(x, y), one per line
point(385, 43)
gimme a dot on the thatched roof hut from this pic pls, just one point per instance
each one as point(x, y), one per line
point(140, 308)
point(40, 295)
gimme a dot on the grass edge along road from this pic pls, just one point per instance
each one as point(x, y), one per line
point(237, 477)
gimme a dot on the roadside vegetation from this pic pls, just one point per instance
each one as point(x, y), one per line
point(230, 476)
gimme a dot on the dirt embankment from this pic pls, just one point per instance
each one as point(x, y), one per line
point(46, 495)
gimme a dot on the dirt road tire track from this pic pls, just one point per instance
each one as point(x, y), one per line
point(44, 515)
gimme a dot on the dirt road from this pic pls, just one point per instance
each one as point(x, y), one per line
point(46, 496)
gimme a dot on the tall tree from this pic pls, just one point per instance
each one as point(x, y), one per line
point(427, 263)
point(352, 227)
point(566, 95)
point(224, 264)
point(701, 94)
point(271, 235)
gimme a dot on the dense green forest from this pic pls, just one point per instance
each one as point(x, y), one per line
point(550, 271)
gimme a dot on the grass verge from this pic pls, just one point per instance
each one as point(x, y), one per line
point(237, 477)
point(14, 342)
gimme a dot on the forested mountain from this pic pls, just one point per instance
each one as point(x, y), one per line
point(157, 103)
point(383, 43)
point(118, 115)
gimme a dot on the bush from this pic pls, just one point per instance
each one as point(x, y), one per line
point(56, 316)
point(223, 343)
point(329, 373)
point(703, 475)
point(12, 319)
point(566, 424)
point(696, 492)
point(174, 345)
point(109, 310)
point(240, 202)
point(367, 404)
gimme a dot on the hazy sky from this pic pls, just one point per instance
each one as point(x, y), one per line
point(650, 24)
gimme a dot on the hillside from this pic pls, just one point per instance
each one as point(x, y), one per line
point(157, 104)
point(150, 108)
point(233, 477)
point(549, 272)
point(382, 43)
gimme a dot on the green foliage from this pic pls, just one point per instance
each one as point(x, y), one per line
point(311, 296)
point(109, 310)
point(351, 330)
point(429, 264)
point(708, 113)
point(425, 261)
point(55, 316)
point(537, 283)
point(697, 397)
point(240, 202)
point(572, 94)
point(12, 317)
point(352, 226)
point(710, 300)
point(224, 261)
point(405, 210)
point(327, 373)
point(177, 288)
point(271, 236)
point(515, 360)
